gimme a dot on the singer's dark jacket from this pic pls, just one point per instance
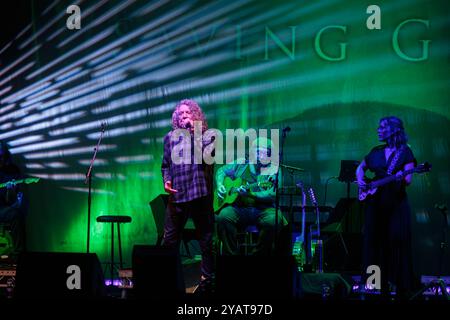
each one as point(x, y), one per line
point(191, 180)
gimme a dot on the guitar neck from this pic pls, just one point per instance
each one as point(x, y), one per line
point(2, 185)
point(252, 185)
point(389, 179)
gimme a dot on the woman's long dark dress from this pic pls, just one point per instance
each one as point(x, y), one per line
point(387, 230)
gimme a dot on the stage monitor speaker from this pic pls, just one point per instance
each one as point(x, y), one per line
point(349, 213)
point(343, 252)
point(343, 237)
point(157, 272)
point(59, 275)
point(260, 277)
point(323, 286)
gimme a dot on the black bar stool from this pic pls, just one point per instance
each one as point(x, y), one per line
point(112, 220)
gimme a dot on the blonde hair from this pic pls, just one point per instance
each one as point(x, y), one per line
point(197, 114)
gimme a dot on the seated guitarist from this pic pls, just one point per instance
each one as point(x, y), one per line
point(253, 206)
point(387, 226)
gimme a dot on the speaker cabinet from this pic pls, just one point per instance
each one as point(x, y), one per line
point(59, 275)
point(157, 272)
point(343, 253)
point(323, 286)
point(263, 277)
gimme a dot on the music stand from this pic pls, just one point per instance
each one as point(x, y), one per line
point(276, 184)
point(439, 283)
point(88, 181)
point(348, 173)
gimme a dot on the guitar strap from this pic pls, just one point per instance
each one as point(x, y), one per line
point(241, 170)
point(245, 173)
point(394, 161)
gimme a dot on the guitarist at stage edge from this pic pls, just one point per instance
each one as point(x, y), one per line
point(387, 226)
point(12, 209)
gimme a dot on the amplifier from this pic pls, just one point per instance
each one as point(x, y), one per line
point(8, 272)
point(126, 278)
point(7, 281)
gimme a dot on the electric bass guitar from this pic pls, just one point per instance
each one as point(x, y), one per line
point(231, 194)
point(372, 187)
point(15, 182)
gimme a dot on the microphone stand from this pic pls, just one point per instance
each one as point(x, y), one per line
point(291, 170)
point(277, 195)
point(88, 181)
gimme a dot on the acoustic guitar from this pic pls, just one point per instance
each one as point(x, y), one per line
point(231, 194)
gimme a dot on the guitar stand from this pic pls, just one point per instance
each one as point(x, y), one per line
point(438, 284)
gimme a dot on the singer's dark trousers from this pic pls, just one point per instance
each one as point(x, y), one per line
point(201, 212)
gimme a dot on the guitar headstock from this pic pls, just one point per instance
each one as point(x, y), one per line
point(423, 167)
point(32, 180)
point(312, 196)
